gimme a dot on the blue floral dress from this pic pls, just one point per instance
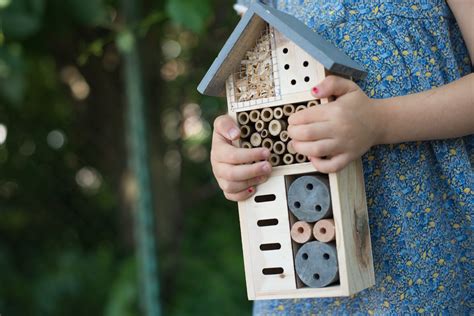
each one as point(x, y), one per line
point(420, 194)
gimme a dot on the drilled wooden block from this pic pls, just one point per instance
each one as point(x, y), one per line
point(316, 264)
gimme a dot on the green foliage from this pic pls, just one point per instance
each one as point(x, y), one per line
point(64, 249)
point(12, 78)
point(87, 12)
point(189, 13)
point(22, 18)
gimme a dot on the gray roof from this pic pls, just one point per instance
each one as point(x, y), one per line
point(239, 42)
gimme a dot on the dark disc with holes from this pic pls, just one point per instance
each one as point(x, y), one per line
point(309, 199)
point(316, 264)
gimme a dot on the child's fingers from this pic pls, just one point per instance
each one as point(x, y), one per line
point(331, 165)
point(311, 115)
point(226, 129)
point(239, 186)
point(320, 148)
point(333, 86)
point(310, 132)
point(231, 172)
point(241, 196)
point(227, 153)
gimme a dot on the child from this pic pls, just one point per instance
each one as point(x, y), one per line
point(412, 121)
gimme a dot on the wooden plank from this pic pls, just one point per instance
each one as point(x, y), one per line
point(252, 212)
point(352, 231)
point(297, 70)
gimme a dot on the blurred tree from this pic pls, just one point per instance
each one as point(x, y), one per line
point(66, 239)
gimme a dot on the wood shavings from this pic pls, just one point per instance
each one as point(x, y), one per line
point(255, 79)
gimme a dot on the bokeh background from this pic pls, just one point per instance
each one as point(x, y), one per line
point(67, 190)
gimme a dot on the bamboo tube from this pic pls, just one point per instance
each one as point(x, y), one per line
point(278, 113)
point(288, 109)
point(325, 230)
point(259, 125)
point(288, 159)
point(254, 116)
point(245, 131)
point(276, 126)
point(301, 232)
point(290, 148)
point(256, 140)
point(266, 115)
point(312, 103)
point(246, 145)
point(264, 133)
point(300, 158)
point(279, 148)
point(300, 108)
point(243, 118)
point(284, 136)
point(274, 160)
point(267, 143)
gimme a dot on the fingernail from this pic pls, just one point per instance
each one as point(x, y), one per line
point(250, 190)
point(234, 133)
point(315, 90)
point(266, 168)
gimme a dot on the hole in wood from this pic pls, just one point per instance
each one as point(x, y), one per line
point(271, 271)
point(316, 276)
point(293, 82)
point(266, 247)
point(300, 230)
point(309, 186)
point(318, 208)
point(323, 230)
point(297, 204)
point(287, 67)
point(267, 222)
point(265, 198)
point(307, 79)
point(285, 50)
point(305, 63)
point(326, 256)
point(305, 256)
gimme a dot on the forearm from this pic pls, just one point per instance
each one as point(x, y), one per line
point(440, 113)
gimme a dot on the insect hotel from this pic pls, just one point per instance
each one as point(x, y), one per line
point(304, 233)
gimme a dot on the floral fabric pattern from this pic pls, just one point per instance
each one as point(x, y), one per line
point(420, 194)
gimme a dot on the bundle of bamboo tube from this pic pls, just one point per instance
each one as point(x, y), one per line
point(267, 127)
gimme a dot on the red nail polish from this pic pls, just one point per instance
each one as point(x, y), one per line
point(250, 190)
point(315, 90)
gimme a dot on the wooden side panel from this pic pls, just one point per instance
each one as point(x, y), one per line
point(353, 231)
point(298, 71)
point(258, 260)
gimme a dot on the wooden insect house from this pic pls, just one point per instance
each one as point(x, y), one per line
point(304, 233)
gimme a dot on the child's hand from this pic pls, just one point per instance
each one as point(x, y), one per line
point(334, 134)
point(234, 168)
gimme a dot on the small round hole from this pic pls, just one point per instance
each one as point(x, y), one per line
point(297, 204)
point(285, 50)
point(305, 64)
point(316, 276)
point(300, 230)
point(293, 82)
point(322, 230)
point(304, 256)
point(287, 67)
point(309, 186)
point(306, 79)
point(318, 208)
point(326, 256)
